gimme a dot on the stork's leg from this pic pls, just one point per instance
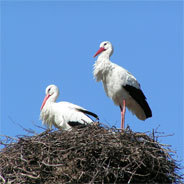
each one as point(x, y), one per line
point(123, 109)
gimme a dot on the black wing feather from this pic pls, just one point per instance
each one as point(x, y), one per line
point(88, 113)
point(75, 123)
point(140, 98)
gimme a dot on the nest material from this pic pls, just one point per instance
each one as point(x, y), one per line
point(88, 155)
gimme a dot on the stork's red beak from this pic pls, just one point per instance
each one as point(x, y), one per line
point(44, 101)
point(99, 51)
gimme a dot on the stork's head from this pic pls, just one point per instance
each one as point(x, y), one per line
point(52, 93)
point(51, 90)
point(106, 49)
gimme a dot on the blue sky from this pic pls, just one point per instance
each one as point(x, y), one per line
point(48, 42)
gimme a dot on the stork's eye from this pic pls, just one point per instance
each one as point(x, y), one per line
point(105, 44)
point(49, 90)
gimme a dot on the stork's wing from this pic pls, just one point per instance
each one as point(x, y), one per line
point(80, 109)
point(88, 113)
point(81, 125)
point(140, 98)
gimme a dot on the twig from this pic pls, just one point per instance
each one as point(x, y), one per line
point(30, 176)
point(4, 181)
point(52, 165)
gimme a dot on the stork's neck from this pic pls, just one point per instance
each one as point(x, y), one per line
point(104, 56)
point(101, 67)
point(52, 99)
point(103, 60)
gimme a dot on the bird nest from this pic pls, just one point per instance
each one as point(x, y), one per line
point(93, 154)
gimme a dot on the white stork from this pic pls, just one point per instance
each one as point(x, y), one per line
point(63, 115)
point(120, 85)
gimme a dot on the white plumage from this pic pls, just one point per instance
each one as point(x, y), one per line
point(63, 115)
point(120, 85)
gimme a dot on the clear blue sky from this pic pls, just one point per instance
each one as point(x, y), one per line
point(46, 43)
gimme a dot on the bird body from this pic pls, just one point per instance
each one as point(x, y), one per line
point(114, 78)
point(119, 84)
point(63, 115)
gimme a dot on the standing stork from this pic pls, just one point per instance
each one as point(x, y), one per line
point(63, 115)
point(120, 85)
